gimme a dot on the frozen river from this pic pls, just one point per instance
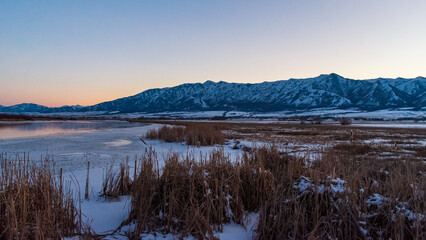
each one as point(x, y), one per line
point(72, 143)
point(11, 130)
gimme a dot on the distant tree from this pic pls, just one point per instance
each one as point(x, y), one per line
point(317, 120)
point(345, 121)
point(302, 119)
point(218, 118)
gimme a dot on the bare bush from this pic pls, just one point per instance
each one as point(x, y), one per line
point(317, 120)
point(345, 121)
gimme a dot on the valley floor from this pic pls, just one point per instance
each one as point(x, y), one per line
point(104, 149)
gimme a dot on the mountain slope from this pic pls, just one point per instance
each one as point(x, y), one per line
point(295, 94)
point(24, 107)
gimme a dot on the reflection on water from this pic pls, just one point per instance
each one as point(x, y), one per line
point(118, 143)
point(9, 130)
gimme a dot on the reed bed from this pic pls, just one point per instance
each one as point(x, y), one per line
point(344, 197)
point(193, 134)
point(195, 196)
point(34, 202)
point(116, 183)
point(335, 197)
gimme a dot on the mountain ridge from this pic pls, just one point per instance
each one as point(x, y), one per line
point(326, 90)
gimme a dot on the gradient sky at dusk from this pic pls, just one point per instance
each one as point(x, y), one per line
point(85, 52)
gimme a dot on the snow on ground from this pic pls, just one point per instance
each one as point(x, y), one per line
point(231, 231)
point(102, 216)
point(392, 125)
point(110, 146)
point(71, 150)
point(105, 216)
point(376, 140)
point(386, 114)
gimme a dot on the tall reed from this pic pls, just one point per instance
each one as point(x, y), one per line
point(34, 202)
point(193, 134)
point(336, 196)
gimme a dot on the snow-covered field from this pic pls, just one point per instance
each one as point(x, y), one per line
point(391, 125)
point(71, 150)
point(385, 114)
point(108, 143)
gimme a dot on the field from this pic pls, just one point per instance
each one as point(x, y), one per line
point(257, 180)
point(311, 140)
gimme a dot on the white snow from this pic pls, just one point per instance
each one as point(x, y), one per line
point(376, 200)
point(231, 231)
point(303, 185)
point(385, 114)
point(392, 125)
point(337, 185)
point(105, 147)
point(402, 209)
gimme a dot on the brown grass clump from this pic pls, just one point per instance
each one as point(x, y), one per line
point(187, 197)
point(167, 134)
point(356, 188)
point(343, 197)
point(196, 197)
point(307, 215)
point(34, 203)
point(353, 148)
point(116, 184)
point(193, 134)
point(337, 196)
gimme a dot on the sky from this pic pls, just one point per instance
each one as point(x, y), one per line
point(58, 53)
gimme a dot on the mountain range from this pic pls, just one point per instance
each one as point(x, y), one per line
point(324, 91)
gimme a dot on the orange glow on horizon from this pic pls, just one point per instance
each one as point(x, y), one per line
point(82, 53)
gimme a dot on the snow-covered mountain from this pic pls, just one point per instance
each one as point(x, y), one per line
point(35, 108)
point(24, 107)
point(324, 91)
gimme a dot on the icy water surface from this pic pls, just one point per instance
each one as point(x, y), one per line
point(10, 130)
point(71, 143)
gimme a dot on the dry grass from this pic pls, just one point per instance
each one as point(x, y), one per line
point(198, 196)
point(303, 134)
point(116, 184)
point(194, 134)
point(347, 193)
point(34, 203)
point(353, 148)
point(341, 202)
point(381, 171)
point(188, 197)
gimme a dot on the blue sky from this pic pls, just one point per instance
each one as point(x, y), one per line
point(84, 52)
